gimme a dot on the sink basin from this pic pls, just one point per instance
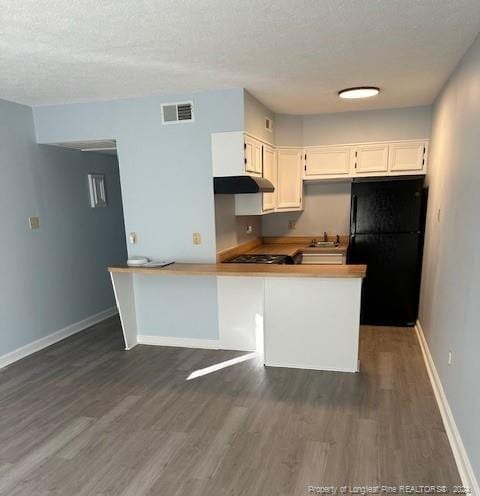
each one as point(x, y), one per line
point(323, 244)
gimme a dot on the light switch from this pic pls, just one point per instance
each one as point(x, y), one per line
point(34, 222)
point(197, 239)
point(133, 238)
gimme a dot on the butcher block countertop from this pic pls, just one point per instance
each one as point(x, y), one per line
point(250, 270)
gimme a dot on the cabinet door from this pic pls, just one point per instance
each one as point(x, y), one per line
point(328, 161)
point(289, 179)
point(270, 173)
point(407, 157)
point(253, 156)
point(371, 158)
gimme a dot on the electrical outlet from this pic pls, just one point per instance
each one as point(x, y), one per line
point(249, 229)
point(133, 238)
point(450, 358)
point(34, 223)
point(292, 224)
point(197, 239)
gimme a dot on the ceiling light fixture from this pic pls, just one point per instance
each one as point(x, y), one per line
point(359, 92)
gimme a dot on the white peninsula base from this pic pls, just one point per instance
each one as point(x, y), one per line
point(307, 317)
point(312, 323)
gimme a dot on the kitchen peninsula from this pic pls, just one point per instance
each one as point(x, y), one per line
point(308, 314)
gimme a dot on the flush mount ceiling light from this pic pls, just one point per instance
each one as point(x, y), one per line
point(359, 92)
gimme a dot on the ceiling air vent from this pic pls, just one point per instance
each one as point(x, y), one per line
point(174, 113)
point(268, 124)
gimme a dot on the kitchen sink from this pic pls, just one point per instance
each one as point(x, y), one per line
point(323, 244)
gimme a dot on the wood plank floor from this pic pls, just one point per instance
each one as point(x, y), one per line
point(84, 417)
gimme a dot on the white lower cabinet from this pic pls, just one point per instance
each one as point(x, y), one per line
point(323, 258)
point(289, 179)
point(312, 323)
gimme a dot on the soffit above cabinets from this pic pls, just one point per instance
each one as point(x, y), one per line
point(99, 146)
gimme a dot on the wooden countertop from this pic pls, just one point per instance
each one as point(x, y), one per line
point(251, 270)
point(282, 245)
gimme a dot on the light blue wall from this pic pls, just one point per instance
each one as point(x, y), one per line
point(54, 276)
point(353, 127)
point(255, 113)
point(450, 296)
point(167, 189)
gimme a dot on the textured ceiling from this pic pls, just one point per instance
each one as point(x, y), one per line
point(293, 55)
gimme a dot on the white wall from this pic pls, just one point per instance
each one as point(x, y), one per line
point(167, 189)
point(288, 130)
point(54, 276)
point(353, 127)
point(371, 125)
point(231, 230)
point(450, 295)
point(255, 113)
point(326, 208)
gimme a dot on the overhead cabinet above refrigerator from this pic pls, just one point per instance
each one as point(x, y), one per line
point(383, 159)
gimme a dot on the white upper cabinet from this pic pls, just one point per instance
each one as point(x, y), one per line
point(366, 160)
point(330, 161)
point(270, 173)
point(238, 154)
point(289, 179)
point(407, 157)
point(260, 203)
point(253, 156)
point(371, 158)
point(235, 154)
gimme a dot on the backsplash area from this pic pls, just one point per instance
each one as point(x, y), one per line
point(231, 230)
point(326, 208)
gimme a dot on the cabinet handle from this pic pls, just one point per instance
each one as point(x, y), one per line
point(263, 152)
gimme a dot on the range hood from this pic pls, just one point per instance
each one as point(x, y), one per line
point(231, 185)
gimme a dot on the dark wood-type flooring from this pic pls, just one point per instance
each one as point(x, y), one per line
point(84, 417)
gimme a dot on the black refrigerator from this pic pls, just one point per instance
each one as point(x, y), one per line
point(387, 226)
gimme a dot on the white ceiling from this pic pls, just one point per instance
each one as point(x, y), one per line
point(291, 54)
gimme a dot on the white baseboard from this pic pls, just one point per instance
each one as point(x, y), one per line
point(464, 466)
point(309, 367)
point(56, 336)
point(211, 344)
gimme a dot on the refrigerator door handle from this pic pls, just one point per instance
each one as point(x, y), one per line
point(354, 214)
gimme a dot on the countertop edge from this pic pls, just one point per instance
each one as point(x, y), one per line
point(246, 270)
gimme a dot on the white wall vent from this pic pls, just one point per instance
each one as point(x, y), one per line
point(175, 113)
point(269, 124)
